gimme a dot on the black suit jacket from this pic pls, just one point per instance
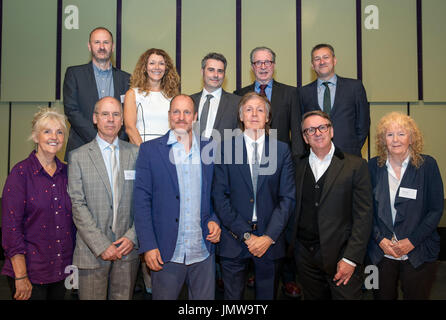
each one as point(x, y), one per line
point(286, 115)
point(345, 210)
point(80, 94)
point(350, 114)
point(227, 113)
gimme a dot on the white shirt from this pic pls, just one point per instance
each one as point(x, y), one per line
point(249, 151)
point(213, 108)
point(318, 167)
point(394, 184)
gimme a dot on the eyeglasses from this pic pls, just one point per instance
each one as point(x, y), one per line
point(106, 114)
point(266, 63)
point(312, 130)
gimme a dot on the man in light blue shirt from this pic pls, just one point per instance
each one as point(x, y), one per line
point(174, 218)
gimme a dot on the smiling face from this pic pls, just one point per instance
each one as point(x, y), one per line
point(156, 68)
point(263, 73)
point(320, 142)
point(398, 140)
point(182, 114)
point(213, 74)
point(50, 137)
point(323, 62)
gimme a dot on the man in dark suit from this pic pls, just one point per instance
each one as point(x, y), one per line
point(85, 84)
point(285, 107)
point(253, 199)
point(174, 220)
point(343, 99)
point(333, 217)
point(217, 109)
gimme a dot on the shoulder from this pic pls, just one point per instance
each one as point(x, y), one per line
point(231, 96)
point(242, 91)
point(128, 146)
point(349, 81)
point(353, 160)
point(283, 86)
point(429, 162)
point(82, 150)
point(121, 72)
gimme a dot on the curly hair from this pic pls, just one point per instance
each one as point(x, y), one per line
point(170, 83)
point(406, 123)
point(43, 116)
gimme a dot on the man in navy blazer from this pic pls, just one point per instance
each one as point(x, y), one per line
point(253, 194)
point(345, 100)
point(84, 85)
point(174, 219)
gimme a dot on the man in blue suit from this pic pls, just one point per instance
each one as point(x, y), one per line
point(343, 99)
point(174, 221)
point(253, 194)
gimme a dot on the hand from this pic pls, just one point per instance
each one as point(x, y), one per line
point(124, 246)
point(23, 289)
point(258, 245)
point(153, 260)
point(389, 248)
point(214, 232)
point(344, 273)
point(402, 247)
point(111, 253)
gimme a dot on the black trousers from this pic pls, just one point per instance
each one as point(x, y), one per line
point(49, 291)
point(319, 285)
point(416, 283)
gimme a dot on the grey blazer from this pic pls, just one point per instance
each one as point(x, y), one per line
point(91, 197)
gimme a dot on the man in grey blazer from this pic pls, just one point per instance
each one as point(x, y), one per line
point(85, 84)
point(217, 109)
point(100, 185)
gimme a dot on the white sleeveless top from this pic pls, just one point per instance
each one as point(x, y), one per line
point(151, 114)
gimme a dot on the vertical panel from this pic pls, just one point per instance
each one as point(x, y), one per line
point(92, 14)
point(390, 53)
point(430, 119)
point(434, 47)
point(271, 24)
point(321, 24)
point(21, 117)
point(58, 105)
point(146, 24)
point(4, 140)
point(377, 111)
point(208, 26)
point(29, 50)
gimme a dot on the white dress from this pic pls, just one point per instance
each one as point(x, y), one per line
point(151, 114)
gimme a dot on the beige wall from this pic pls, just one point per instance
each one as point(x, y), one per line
point(389, 53)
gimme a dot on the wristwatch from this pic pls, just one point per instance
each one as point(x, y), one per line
point(246, 236)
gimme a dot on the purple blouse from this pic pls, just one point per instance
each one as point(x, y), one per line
point(37, 220)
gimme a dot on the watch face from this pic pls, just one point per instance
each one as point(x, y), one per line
point(246, 235)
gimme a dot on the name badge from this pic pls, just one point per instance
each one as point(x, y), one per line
point(408, 193)
point(129, 174)
point(122, 98)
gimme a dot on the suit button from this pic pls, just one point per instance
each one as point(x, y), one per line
point(178, 197)
point(251, 200)
point(176, 220)
point(317, 204)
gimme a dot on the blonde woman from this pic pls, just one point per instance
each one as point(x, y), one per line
point(153, 84)
point(408, 204)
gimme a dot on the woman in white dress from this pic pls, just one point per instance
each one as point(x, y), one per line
point(153, 84)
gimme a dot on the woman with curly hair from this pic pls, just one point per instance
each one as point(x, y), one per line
point(153, 84)
point(408, 204)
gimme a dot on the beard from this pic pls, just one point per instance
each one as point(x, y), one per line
point(102, 59)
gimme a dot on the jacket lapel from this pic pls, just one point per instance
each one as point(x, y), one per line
point(92, 80)
point(98, 162)
point(164, 150)
point(124, 160)
point(338, 95)
point(407, 181)
point(221, 109)
point(333, 171)
point(245, 171)
point(263, 163)
point(381, 195)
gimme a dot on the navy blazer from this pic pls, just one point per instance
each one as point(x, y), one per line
point(80, 93)
point(350, 114)
point(416, 219)
point(156, 199)
point(233, 198)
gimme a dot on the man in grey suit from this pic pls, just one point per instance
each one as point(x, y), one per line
point(344, 99)
point(100, 185)
point(85, 84)
point(217, 109)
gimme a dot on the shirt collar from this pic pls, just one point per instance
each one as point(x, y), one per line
point(99, 70)
point(333, 80)
point(216, 93)
point(104, 144)
point(404, 164)
point(173, 140)
point(328, 157)
point(37, 166)
point(268, 85)
point(250, 141)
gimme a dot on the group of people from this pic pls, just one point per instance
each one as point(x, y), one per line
point(241, 180)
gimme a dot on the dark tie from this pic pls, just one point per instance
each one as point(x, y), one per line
point(262, 90)
point(255, 167)
point(204, 113)
point(327, 98)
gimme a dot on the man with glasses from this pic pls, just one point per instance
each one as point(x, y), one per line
point(344, 99)
point(100, 184)
point(85, 84)
point(285, 107)
point(333, 217)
